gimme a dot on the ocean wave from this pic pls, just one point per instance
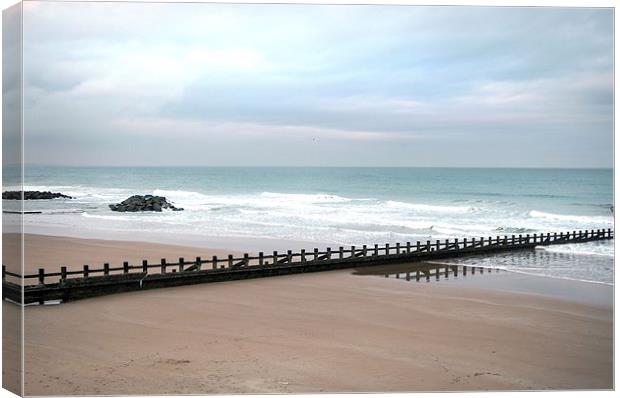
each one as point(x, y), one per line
point(580, 249)
point(430, 208)
point(306, 198)
point(574, 218)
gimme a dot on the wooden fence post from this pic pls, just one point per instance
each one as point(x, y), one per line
point(341, 252)
point(261, 260)
point(417, 246)
point(181, 264)
point(456, 244)
point(289, 256)
point(316, 253)
point(275, 257)
point(352, 251)
point(63, 273)
point(387, 249)
point(464, 243)
point(376, 253)
point(329, 252)
point(41, 276)
point(125, 267)
point(437, 245)
point(85, 272)
point(408, 247)
point(398, 248)
point(163, 266)
point(198, 263)
point(106, 269)
point(230, 261)
point(446, 244)
point(214, 261)
point(428, 245)
point(303, 254)
point(246, 259)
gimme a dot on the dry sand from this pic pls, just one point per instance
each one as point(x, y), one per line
point(330, 331)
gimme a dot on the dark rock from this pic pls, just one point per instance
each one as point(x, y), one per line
point(33, 195)
point(137, 203)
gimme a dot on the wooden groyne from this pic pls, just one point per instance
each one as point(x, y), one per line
point(66, 285)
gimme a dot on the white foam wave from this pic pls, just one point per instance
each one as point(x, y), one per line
point(573, 218)
point(306, 198)
point(429, 208)
point(580, 249)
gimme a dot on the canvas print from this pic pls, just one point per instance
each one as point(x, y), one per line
point(218, 198)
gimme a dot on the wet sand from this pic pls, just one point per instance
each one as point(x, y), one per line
point(331, 331)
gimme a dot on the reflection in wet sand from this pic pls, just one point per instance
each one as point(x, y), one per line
point(425, 271)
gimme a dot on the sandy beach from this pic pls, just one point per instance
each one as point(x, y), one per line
point(332, 331)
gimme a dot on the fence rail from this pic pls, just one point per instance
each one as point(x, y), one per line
point(68, 285)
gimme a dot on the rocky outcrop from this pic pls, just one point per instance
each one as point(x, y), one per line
point(144, 203)
point(33, 195)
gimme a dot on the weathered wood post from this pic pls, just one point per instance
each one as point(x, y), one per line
point(302, 253)
point(341, 252)
point(85, 271)
point(437, 273)
point(275, 257)
point(163, 266)
point(464, 270)
point(198, 263)
point(246, 258)
point(428, 245)
point(106, 269)
point(316, 253)
point(417, 274)
point(214, 261)
point(455, 269)
point(464, 243)
point(41, 276)
point(181, 264)
point(417, 247)
point(364, 250)
point(231, 261)
point(125, 267)
point(520, 239)
point(398, 248)
point(490, 241)
point(609, 232)
point(63, 273)
point(446, 273)
point(329, 252)
point(527, 238)
point(352, 251)
point(289, 256)
point(548, 236)
point(512, 243)
point(376, 253)
point(387, 249)
point(437, 245)
point(261, 260)
point(446, 244)
point(408, 247)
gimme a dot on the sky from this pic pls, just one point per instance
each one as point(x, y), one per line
point(302, 85)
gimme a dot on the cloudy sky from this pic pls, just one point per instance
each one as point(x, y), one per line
point(217, 84)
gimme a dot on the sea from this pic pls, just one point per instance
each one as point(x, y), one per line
point(314, 206)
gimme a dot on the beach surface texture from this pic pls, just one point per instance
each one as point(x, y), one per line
point(324, 332)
